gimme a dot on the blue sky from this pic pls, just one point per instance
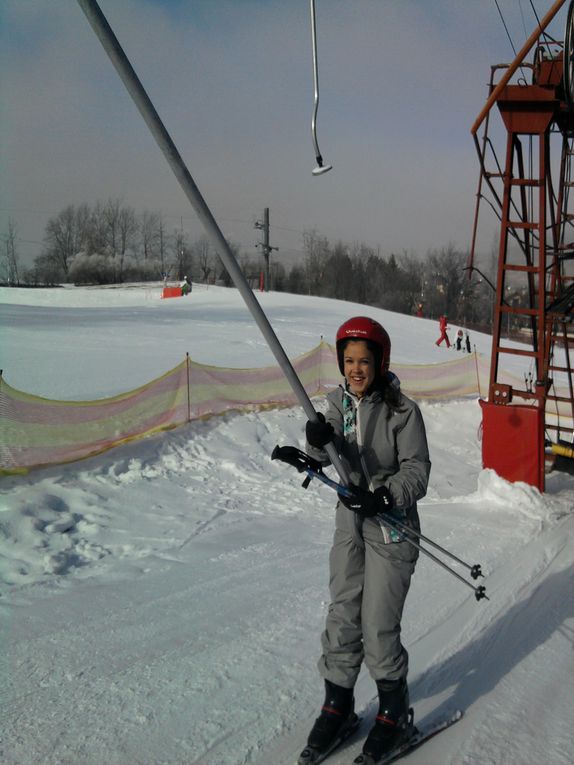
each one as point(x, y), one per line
point(401, 83)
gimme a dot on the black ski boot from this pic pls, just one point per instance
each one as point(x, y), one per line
point(335, 723)
point(394, 722)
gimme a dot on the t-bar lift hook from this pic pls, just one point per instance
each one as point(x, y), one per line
point(321, 168)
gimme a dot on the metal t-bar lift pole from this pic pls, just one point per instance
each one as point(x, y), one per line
point(136, 90)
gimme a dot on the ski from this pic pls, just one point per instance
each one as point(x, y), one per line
point(311, 756)
point(417, 738)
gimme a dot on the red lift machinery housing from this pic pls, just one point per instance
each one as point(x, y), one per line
point(532, 413)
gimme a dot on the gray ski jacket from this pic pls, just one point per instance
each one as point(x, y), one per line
point(379, 448)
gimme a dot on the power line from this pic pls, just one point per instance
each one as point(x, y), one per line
point(505, 27)
point(547, 37)
point(504, 24)
point(535, 14)
point(27, 210)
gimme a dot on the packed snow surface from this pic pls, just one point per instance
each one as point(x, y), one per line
point(161, 604)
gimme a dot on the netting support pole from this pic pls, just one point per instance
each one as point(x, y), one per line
point(147, 110)
point(188, 388)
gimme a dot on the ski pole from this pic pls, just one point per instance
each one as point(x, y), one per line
point(475, 570)
point(479, 592)
point(304, 463)
point(313, 468)
point(152, 119)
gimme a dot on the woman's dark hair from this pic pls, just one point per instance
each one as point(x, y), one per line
point(390, 392)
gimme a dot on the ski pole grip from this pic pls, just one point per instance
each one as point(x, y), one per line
point(330, 448)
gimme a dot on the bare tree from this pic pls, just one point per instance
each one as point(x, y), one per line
point(119, 226)
point(374, 276)
point(204, 258)
point(111, 222)
point(181, 253)
point(296, 281)
point(163, 241)
point(10, 257)
point(127, 231)
point(45, 271)
point(337, 273)
point(278, 277)
point(316, 256)
point(66, 235)
point(447, 279)
point(113, 233)
point(252, 269)
point(223, 273)
point(361, 255)
point(97, 232)
point(149, 225)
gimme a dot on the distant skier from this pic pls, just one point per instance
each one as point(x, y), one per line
point(185, 286)
point(459, 336)
point(385, 449)
point(467, 342)
point(420, 310)
point(443, 322)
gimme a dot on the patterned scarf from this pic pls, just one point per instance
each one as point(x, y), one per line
point(349, 414)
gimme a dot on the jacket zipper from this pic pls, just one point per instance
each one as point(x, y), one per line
point(386, 534)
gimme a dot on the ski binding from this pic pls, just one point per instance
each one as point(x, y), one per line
point(417, 738)
point(311, 756)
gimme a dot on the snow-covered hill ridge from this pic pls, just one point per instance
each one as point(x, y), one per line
point(95, 342)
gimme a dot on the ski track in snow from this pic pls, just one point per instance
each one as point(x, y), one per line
point(162, 603)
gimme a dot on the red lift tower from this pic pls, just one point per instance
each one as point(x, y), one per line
point(530, 409)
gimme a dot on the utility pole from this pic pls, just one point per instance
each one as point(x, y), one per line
point(266, 247)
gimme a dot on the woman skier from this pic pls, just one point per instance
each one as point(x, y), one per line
point(380, 436)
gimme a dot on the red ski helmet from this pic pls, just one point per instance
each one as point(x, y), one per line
point(363, 328)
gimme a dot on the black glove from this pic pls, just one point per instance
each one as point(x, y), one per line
point(368, 503)
point(319, 433)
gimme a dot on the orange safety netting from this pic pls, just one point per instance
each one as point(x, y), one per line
point(36, 431)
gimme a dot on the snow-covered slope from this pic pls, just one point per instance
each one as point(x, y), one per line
point(162, 603)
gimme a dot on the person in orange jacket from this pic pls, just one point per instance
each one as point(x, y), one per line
point(443, 321)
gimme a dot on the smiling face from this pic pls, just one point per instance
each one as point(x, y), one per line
point(358, 366)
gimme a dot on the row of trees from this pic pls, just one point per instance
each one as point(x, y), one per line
point(402, 283)
point(111, 243)
point(108, 243)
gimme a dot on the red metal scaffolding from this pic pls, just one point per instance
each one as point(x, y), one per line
point(529, 191)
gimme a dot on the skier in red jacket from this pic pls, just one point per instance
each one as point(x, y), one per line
point(443, 321)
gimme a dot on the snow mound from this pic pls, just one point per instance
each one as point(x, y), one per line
point(495, 491)
point(42, 535)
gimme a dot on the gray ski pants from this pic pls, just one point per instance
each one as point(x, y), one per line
point(368, 587)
